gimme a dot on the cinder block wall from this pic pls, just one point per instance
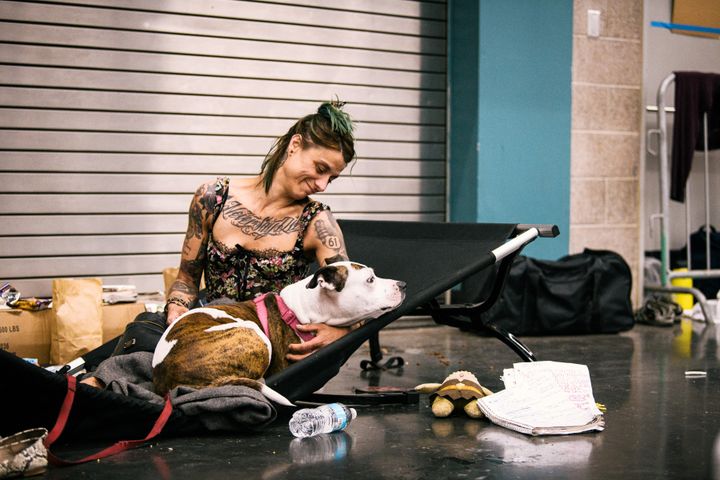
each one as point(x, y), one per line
point(606, 125)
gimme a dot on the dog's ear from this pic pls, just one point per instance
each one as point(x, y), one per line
point(330, 278)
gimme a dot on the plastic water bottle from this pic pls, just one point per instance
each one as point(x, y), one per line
point(332, 417)
point(320, 448)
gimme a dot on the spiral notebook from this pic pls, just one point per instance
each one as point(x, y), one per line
point(545, 398)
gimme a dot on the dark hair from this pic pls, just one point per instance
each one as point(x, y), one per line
point(329, 127)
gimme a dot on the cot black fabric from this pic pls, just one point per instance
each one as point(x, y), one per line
point(583, 293)
point(430, 257)
point(32, 397)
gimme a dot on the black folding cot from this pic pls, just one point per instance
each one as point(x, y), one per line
point(431, 257)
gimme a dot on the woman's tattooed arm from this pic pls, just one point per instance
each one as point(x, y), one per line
point(200, 207)
point(331, 246)
point(184, 290)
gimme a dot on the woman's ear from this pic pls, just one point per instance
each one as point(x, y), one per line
point(295, 144)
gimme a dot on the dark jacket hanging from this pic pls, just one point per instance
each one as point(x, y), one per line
point(695, 94)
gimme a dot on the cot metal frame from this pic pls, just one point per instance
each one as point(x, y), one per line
point(666, 274)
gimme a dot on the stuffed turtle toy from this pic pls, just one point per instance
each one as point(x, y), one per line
point(460, 389)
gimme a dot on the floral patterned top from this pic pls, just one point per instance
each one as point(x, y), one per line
point(240, 274)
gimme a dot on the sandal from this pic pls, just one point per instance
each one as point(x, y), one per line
point(659, 311)
point(23, 454)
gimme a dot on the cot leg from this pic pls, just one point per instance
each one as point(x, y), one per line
point(376, 356)
point(467, 318)
point(511, 341)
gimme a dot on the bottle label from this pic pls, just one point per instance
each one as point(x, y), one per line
point(340, 414)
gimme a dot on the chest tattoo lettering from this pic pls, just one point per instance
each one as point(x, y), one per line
point(252, 225)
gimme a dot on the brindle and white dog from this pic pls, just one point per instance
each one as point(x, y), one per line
point(241, 343)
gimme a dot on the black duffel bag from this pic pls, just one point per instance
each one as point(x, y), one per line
point(584, 293)
point(698, 245)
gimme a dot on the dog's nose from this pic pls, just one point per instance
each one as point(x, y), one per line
point(402, 285)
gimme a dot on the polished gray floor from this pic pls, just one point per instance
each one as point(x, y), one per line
point(659, 423)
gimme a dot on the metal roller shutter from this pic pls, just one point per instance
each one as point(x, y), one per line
point(112, 112)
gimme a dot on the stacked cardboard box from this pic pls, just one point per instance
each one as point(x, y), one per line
point(27, 334)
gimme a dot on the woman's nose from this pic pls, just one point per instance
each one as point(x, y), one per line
point(322, 182)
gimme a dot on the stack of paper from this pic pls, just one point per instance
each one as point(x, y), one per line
point(119, 293)
point(544, 398)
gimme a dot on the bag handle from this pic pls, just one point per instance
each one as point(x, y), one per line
point(111, 450)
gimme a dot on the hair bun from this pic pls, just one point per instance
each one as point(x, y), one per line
point(340, 122)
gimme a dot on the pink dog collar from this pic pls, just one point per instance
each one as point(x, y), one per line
point(287, 315)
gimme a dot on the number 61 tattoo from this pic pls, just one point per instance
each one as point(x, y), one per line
point(328, 237)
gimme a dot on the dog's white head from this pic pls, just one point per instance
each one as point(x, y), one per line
point(343, 293)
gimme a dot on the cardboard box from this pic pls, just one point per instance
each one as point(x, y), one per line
point(699, 13)
point(27, 334)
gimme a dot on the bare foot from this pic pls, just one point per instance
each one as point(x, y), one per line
point(93, 382)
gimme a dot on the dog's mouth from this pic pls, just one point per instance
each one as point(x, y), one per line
point(396, 305)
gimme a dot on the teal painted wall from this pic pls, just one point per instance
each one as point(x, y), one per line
point(522, 93)
point(463, 74)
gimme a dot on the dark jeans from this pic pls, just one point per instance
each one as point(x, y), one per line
point(141, 335)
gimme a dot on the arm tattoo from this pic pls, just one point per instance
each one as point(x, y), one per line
point(182, 287)
point(195, 217)
point(194, 268)
point(202, 204)
point(327, 235)
point(256, 227)
point(191, 270)
point(207, 197)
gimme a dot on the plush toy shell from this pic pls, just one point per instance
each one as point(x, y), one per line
point(460, 388)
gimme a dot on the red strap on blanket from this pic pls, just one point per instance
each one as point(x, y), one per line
point(111, 450)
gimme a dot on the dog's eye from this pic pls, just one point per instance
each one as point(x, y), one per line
point(370, 280)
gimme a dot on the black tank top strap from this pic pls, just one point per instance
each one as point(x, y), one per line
point(309, 212)
point(222, 187)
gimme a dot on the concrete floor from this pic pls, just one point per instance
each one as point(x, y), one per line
point(659, 424)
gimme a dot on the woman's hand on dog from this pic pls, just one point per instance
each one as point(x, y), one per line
point(323, 335)
point(173, 312)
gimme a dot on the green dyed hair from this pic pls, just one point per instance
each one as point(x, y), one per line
point(330, 127)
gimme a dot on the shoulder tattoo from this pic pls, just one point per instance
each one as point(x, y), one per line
point(202, 204)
